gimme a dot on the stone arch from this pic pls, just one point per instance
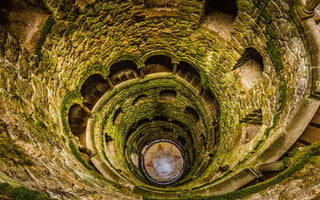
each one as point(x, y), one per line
point(92, 89)
point(122, 71)
point(188, 72)
point(77, 119)
point(220, 15)
point(157, 63)
point(250, 67)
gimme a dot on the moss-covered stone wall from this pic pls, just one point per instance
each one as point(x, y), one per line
point(38, 88)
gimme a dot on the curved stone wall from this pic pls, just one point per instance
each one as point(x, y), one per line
point(231, 84)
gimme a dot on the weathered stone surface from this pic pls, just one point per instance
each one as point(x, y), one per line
point(83, 38)
point(304, 184)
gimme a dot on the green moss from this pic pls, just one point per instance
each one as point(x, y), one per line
point(70, 12)
point(76, 153)
point(27, 118)
point(70, 29)
point(265, 15)
point(299, 161)
point(275, 55)
point(283, 95)
point(42, 125)
point(96, 68)
point(37, 126)
point(10, 154)
point(8, 191)
point(261, 3)
point(270, 31)
point(68, 100)
point(91, 10)
point(45, 31)
point(275, 119)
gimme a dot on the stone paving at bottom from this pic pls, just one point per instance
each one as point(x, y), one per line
point(163, 162)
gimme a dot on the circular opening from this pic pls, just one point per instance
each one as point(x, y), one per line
point(163, 162)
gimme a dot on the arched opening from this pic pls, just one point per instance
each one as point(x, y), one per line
point(158, 118)
point(224, 6)
point(92, 89)
point(190, 74)
point(210, 101)
point(117, 117)
point(122, 71)
point(220, 15)
point(143, 121)
point(77, 119)
point(168, 95)
point(157, 63)
point(250, 53)
point(181, 140)
point(191, 112)
point(250, 67)
point(139, 99)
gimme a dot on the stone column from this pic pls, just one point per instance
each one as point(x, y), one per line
point(175, 66)
point(308, 10)
point(310, 6)
point(277, 166)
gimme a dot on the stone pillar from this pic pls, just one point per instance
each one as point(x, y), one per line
point(141, 66)
point(86, 150)
point(272, 167)
point(175, 65)
point(109, 83)
point(259, 170)
point(308, 10)
point(86, 109)
point(310, 6)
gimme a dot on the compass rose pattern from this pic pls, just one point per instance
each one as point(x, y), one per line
point(163, 162)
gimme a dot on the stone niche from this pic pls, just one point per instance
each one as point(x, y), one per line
point(23, 21)
point(219, 16)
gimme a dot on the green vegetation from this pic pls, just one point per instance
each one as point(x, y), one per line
point(276, 58)
point(93, 69)
point(9, 152)
point(66, 104)
point(76, 153)
point(266, 15)
point(42, 125)
point(299, 161)
point(270, 31)
point(283, 96)
point(261, 3)
point(194, 48)
point(45, 31)
point(275, 55)
point(8, 191)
